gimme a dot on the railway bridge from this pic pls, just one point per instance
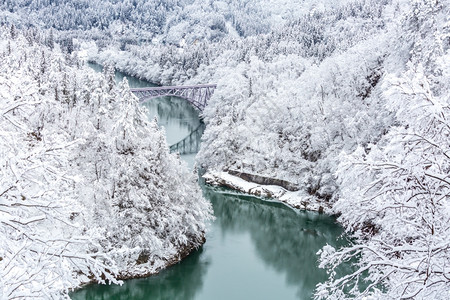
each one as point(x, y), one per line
point(197, 95)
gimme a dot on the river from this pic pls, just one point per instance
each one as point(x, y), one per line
point(255, 249)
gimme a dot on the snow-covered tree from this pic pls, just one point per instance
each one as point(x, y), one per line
point(157, 207)
point(88, 189)
point(41, 245)
point(395, 201)
point(395, 194)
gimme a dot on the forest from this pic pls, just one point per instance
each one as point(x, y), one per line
point(347, 100)
point(87, 182)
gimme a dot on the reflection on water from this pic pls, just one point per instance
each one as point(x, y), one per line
point(254, 249)
point(190, 144)
point(175, 115)
point(281, 245)
point(179, 282)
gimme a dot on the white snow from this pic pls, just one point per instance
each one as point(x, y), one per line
point(296, 199)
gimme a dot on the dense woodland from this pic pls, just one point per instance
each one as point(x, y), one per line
point(170, 21)
point(349, 100)
point(88, 189)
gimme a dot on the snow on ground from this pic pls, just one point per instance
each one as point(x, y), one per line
point(296, 199)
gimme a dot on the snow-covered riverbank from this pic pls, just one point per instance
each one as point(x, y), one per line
point(296, 199)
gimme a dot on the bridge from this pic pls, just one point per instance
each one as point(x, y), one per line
point(197, 95)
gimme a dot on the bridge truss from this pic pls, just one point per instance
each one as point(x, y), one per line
point(197, 95)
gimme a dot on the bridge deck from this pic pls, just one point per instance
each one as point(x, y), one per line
point(184, 87)
point(197, 95)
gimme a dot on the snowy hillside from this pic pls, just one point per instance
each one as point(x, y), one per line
point(88, 189)
point(352, 106)
point(168, 20)
point(348, 101)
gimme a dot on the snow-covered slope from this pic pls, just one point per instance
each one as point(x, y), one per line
point(352, 106)
point(88, 189)
point(130, 22)
point(350, 103)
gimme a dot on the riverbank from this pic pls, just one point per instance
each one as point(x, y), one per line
point(145, 267)
point(259, 247)
point(272, 188)
point(165, 111)
point(266, 220)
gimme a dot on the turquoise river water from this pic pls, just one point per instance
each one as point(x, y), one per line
point(255, 249)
